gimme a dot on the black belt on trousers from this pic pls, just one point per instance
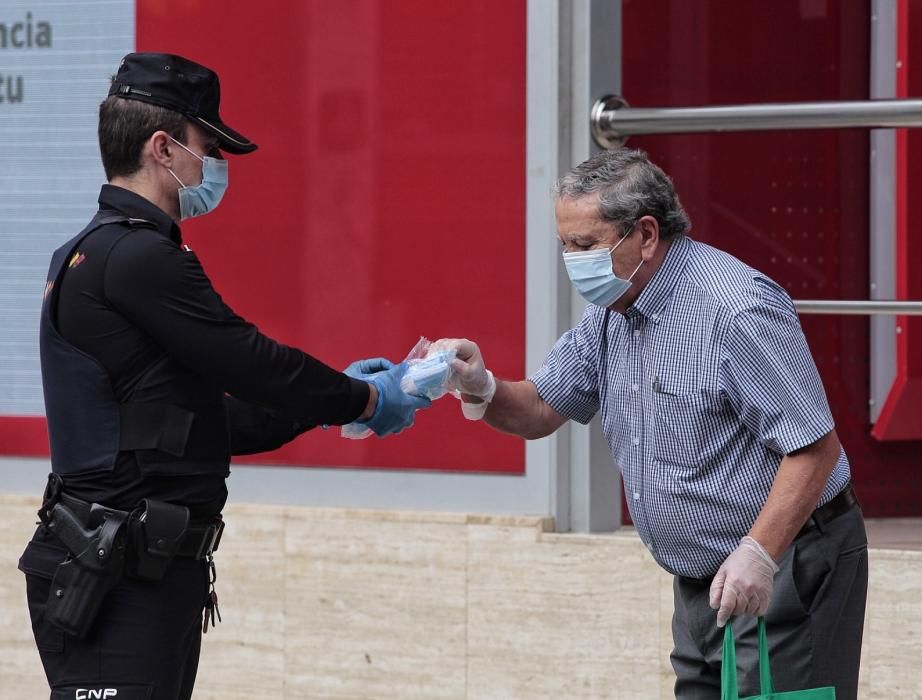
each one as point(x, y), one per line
point(199, 541)
point(840, 505)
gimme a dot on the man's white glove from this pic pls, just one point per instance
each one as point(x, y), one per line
point(743, 584)
point(471, 378)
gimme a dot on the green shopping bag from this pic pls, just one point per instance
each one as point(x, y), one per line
point(729, 684)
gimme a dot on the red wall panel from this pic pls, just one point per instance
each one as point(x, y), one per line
point(792, 203)
point(387, 199)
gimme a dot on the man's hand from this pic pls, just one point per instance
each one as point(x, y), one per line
point(743, 584)
point(472, 378)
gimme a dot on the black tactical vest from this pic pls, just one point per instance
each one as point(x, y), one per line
point(87, 425)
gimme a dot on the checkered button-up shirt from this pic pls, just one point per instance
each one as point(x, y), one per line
point(704, 384)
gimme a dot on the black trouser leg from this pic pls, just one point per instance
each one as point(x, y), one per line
point(144, 644)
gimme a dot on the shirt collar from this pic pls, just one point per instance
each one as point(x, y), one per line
point(137, 207)
point(654, 297)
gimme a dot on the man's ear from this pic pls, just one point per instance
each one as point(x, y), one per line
point(649, 236)
point(159, 148)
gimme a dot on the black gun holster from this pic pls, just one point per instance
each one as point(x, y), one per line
point(95, 565)
point(104, 545)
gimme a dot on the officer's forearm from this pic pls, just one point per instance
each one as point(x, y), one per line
point(372, 402)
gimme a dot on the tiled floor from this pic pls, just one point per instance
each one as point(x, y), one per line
point(335, 603)
point(895, 533)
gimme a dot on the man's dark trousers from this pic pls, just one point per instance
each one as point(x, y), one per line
point(815, 621)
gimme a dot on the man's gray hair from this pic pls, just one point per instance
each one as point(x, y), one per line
point(629, 186)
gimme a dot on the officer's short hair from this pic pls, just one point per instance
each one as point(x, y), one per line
point(124, 128)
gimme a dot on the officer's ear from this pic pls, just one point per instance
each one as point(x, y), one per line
point(159, 148)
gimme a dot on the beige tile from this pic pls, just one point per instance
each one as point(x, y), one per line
point(251, 589)
point(894, 629)
point(520, 521)
point(864, 678)
point(553, 618)
point(20, 669)
point(666, 608)
point(895, 533)
point(397, 516)
point(337, 604)
point(435, 517)
point(374, 608)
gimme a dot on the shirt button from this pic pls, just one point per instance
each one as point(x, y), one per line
point(636, 496)
point(634, 387)
point(635, 441)
point(636, 333)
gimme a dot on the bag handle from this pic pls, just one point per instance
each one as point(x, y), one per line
point(729, 683)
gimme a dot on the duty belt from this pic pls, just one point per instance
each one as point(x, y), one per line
point(106, 544)
point(199, 542)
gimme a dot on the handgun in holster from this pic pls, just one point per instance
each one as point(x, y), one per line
point(96, 565)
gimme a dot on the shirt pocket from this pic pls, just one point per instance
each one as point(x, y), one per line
point(680, 429)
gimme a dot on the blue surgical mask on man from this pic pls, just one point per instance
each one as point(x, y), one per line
point(591, 273)
point(202, 198)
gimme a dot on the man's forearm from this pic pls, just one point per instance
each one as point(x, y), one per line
point(795, 492)
point(517, 408)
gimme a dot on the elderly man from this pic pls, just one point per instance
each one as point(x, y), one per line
point(716, 416)
point(151, 383)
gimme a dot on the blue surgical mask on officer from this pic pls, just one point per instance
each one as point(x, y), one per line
point(591, 273)
point(205, 197)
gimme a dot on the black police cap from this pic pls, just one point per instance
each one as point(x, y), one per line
point(181, 85)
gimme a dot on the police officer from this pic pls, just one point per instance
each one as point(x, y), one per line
point(151, 384)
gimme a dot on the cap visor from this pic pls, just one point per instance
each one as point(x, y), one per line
point(228, 139)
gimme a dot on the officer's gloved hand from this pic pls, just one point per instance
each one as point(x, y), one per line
point(743, 584)
point(395, 410)
point(472, 378)
point(363, 369)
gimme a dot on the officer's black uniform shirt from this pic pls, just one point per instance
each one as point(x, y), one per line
point(148, 313)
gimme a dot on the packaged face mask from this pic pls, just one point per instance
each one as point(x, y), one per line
point(431, 376)
point(427, 375)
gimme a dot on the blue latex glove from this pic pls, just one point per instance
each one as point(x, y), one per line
point(395, 409)
point(363, 369)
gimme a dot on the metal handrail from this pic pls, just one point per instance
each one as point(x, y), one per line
point(862, 308)
point(612, 120)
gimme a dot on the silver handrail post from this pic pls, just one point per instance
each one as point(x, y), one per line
point(858, 308)
point(612, 121)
